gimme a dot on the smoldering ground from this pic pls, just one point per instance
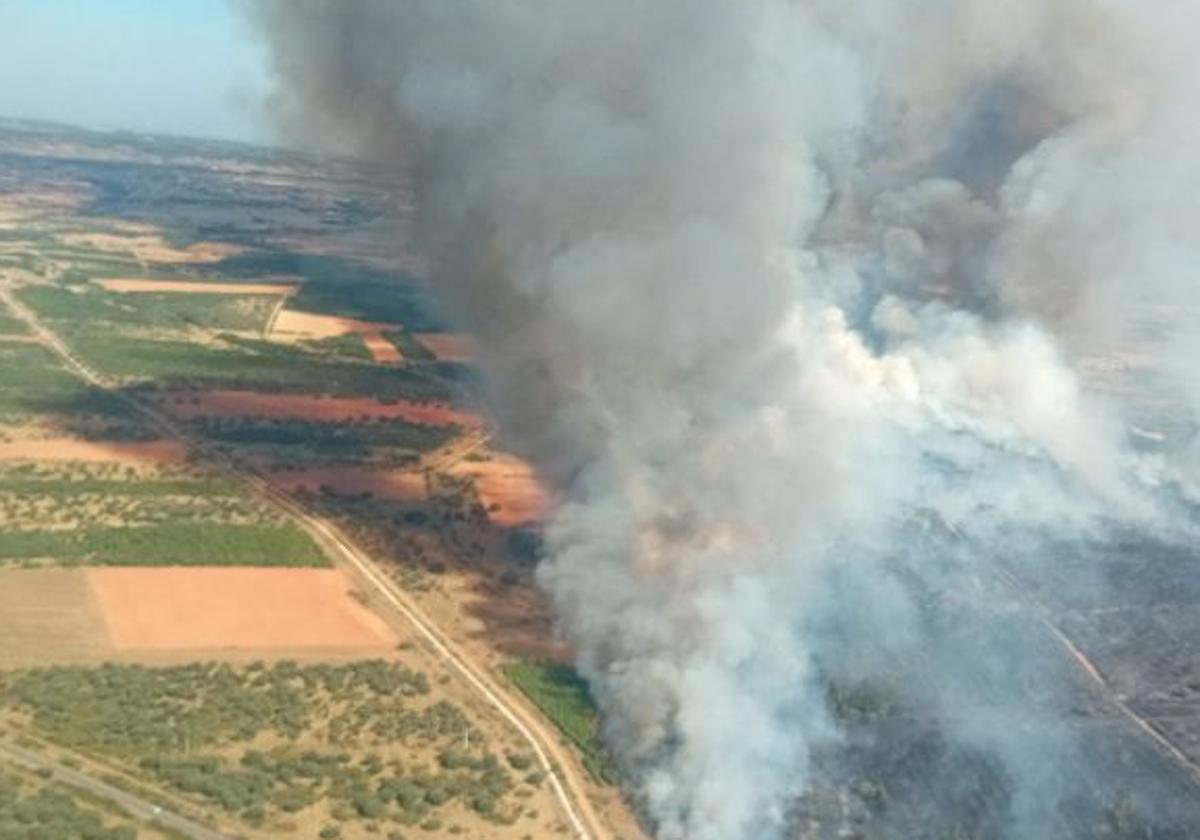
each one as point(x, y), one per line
point(790, 300)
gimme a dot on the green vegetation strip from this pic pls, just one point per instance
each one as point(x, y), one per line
point(563, 697)
point(174, 544)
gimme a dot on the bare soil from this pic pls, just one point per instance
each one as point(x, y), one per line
point(131, 284)
point(49, 615)
point(148, 609)
point(73, 449)
point(508, 488)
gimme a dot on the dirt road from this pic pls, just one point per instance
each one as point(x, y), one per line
point(558, 765)
point(136, 807)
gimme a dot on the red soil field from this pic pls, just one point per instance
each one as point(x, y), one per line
point(449, 347)
point(185, 405)
point(511, 485)
point(149, 609)
point(70, 449)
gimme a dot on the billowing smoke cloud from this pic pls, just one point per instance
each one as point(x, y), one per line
point(790, 300)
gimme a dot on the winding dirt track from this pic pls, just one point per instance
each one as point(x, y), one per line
point(555, 761)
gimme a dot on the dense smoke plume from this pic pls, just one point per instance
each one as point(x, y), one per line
point(791, 301)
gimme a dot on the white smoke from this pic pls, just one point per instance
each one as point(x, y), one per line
point(759, 283)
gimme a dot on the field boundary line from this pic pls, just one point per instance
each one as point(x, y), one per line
point(569, 792)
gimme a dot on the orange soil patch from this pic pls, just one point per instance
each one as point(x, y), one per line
point(187, 405)
point(196, 288)
point(149, 609)
point(449, 347)
point(381, 349)
point(296, 325)
point(402, 485)
point(70, 449)
point(510, 484)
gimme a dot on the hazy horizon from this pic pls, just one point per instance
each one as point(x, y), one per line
point(188, 67)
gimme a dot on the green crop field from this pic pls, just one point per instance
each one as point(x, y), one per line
point(171, 544)
point(33, 381)
point(563, 696)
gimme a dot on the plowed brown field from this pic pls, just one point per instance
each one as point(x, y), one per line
point(155, 609)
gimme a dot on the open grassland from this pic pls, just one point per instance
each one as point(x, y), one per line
point(365, 749)
point(562, 696)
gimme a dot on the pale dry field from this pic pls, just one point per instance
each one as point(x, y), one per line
point(163, 615)
point(50, 616)
point(134, 285)
point(398, 485)
point(292, 324)
point(58, 450)
point(186, 405)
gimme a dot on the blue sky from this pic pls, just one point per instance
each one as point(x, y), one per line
point(189, 67)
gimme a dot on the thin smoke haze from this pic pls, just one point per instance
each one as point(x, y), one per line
point(792, 302)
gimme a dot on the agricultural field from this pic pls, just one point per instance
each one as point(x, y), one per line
point(221, 334)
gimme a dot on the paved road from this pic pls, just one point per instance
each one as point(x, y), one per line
point(136, 807)
point(569, 790)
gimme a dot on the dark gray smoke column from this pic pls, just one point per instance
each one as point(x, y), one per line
point(758, 282)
